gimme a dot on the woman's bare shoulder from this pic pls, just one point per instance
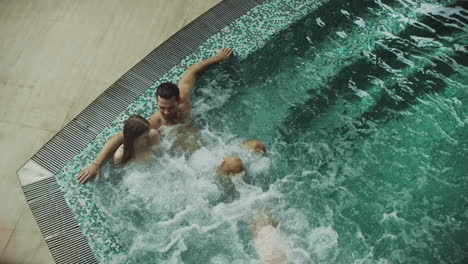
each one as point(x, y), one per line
point(118, 155)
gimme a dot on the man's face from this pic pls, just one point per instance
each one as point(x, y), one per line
point(168, 107)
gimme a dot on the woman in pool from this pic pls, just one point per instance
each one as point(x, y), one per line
point(139, 138)
point(138, 141)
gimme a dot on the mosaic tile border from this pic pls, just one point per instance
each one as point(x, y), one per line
point(73, 226)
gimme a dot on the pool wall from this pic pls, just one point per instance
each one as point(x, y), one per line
point(74, 228)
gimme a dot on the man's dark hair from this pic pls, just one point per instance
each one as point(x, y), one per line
point(167, 91)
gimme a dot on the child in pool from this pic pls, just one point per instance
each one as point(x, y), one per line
point(263, 229)
point(232, 166)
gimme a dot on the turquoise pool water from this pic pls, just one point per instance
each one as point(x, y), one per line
point(362, 106)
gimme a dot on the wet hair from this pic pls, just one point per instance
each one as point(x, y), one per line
point(134, 127)
point(167, 91)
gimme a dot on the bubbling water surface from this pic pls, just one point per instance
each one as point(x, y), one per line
point(366, 131)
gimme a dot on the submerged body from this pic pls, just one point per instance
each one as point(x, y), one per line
point(268, 240)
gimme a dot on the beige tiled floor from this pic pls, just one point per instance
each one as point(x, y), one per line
point(56, 56)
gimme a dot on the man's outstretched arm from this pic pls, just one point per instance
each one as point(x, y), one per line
point(187, 82)
point(93, 169)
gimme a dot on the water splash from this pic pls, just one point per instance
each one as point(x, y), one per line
point(366, 136)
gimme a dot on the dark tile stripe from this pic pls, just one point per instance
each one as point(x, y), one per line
point(57, 223)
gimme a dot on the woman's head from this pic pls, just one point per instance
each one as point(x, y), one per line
point(136, 136)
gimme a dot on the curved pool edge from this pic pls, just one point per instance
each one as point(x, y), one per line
point(72, 225)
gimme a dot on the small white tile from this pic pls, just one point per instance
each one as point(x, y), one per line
point(32, 172)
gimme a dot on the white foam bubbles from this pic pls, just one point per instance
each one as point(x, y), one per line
point(165, 207)
point(323, 244)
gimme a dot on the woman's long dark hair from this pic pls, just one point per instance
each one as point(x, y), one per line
point(134, 127)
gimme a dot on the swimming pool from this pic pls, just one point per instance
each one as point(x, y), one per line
point(362, 106)
point(365, 122)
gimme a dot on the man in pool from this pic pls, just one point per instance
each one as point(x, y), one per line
point(175, 108)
